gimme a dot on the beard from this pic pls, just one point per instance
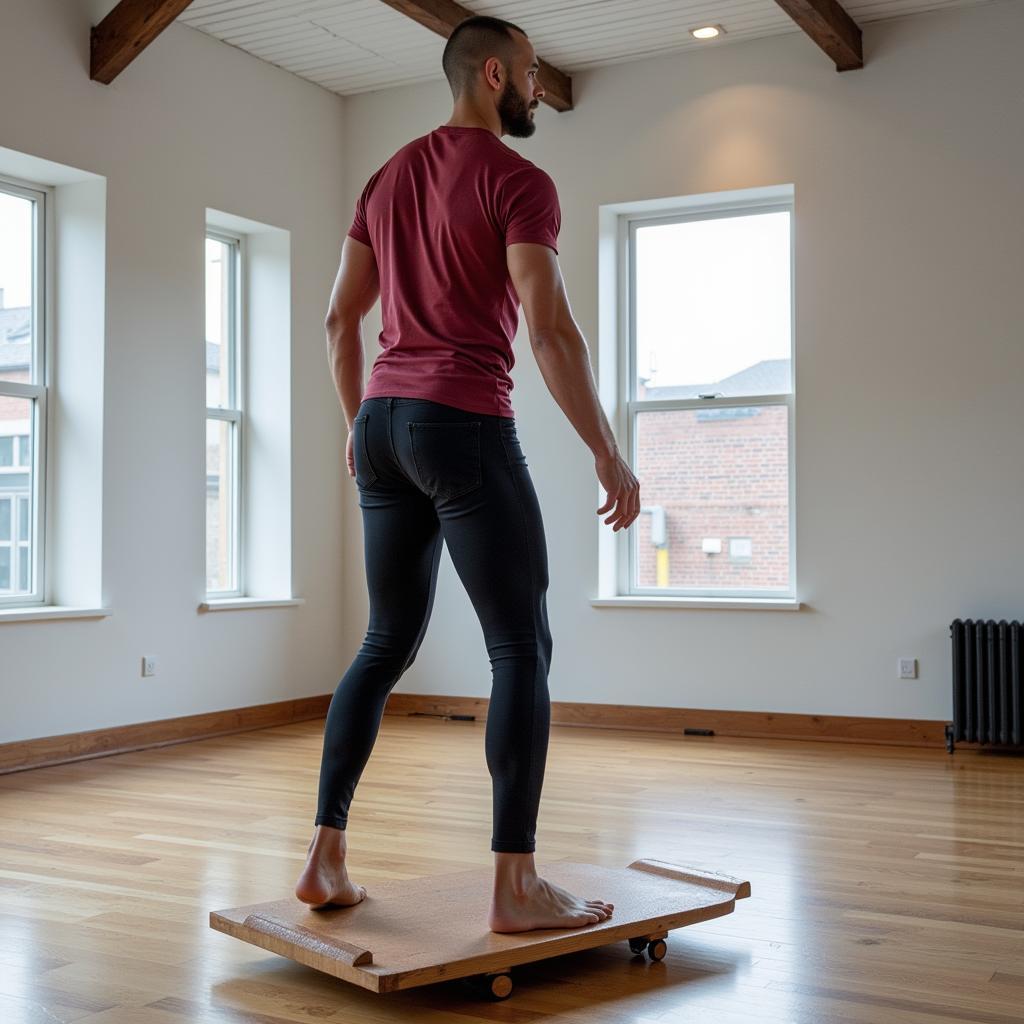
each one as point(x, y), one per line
point(514, 112)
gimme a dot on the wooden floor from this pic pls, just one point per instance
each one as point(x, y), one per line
point(888, 883)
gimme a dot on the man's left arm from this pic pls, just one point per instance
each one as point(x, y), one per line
point(356, 289)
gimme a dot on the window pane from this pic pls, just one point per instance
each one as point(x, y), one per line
point(24, 451)
point(16, 278)
point(16, 416)
point(715, 491)
point(23, 524)
point(5, 570)
point(219, 323)
point(713, 307)
point(220, 486)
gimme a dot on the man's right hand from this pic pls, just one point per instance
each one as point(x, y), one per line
point(623, 490)
point(350, 460)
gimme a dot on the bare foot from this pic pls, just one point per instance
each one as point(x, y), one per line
point(533, 902)
point(324, 881)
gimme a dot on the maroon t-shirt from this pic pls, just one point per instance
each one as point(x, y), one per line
point(438, 216)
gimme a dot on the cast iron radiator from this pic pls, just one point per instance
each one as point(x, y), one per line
point(988, 688)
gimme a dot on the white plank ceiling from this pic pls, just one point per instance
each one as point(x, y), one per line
point(353, 46)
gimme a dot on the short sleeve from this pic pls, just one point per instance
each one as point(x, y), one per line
point(529, 208)
point(360, 230)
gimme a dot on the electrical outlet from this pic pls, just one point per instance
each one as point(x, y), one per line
point(148, 666)
point(908, 668)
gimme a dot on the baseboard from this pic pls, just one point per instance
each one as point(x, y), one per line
point(118, 739)
point(902, 732)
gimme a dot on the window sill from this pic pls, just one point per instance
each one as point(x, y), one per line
point(227, 604)
point(35, 613)
point(786, 604)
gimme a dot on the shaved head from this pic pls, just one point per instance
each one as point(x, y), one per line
point(471, 43)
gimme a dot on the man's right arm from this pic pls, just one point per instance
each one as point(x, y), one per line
point(564, 361)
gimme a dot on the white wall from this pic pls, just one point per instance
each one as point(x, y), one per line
point(193, 123)
point(909, 360)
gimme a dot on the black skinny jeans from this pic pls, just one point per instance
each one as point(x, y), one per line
point(428, 472)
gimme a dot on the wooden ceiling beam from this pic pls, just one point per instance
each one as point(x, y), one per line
point(828, 24)
point(126, 31)
point(442, 16)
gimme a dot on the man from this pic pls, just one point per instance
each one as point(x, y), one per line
point(453, 232)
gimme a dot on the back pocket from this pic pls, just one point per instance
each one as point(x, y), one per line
point(446, 456)
point(365, 475)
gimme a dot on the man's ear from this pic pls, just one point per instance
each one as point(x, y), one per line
point(493, 71)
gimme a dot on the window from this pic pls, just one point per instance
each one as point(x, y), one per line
point(707, 399)
point(23, 391)
point(223, 362)
point(248, 340)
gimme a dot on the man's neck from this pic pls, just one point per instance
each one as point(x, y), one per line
point(472, 117)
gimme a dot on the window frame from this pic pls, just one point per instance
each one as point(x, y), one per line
point(630, 406)
point(38, 388)
point(234, 413)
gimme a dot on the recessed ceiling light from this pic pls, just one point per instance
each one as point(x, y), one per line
point(707, 31)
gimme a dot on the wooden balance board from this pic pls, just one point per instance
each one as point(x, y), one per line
point(423, 930)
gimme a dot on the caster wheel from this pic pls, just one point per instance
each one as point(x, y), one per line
point(492, 986)
point(657, 949)
point(637, 945)
point(499, 986)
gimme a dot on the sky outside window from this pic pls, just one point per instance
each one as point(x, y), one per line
point(15, 250)
point(712, 297)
